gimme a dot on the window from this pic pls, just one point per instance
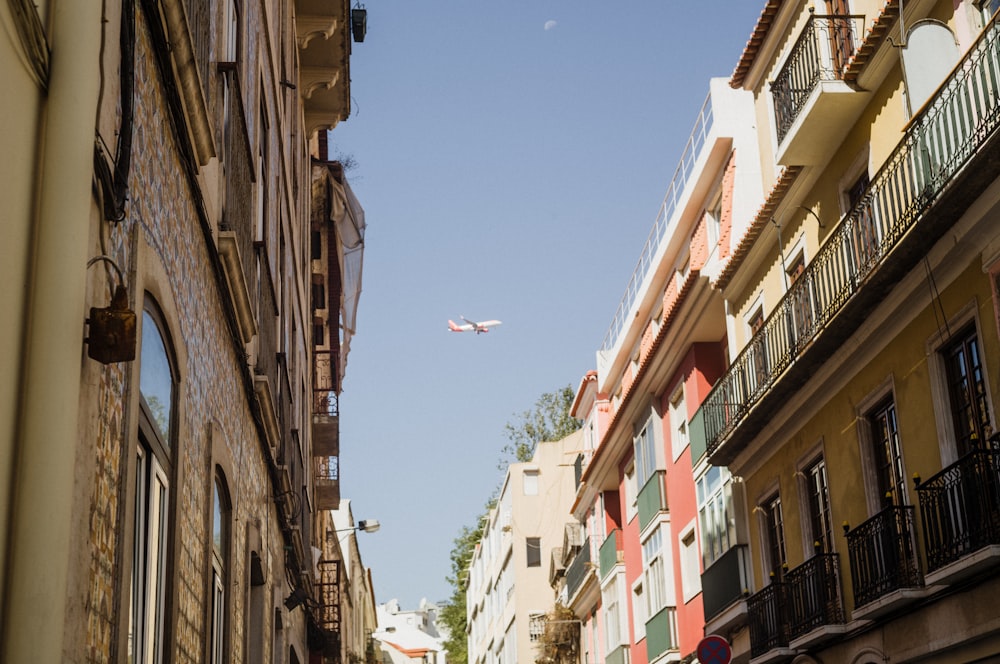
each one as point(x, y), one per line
point(612, 614)
point(221, 511)
point(802, 306)
point(148, 591)
point(690, 570)
point(658, 573)
point(533, 548)
point(536, 626)
point(966, 390)
point(631, 493)
point(987, 9)
point(715, 512)
point(645, 454)
point(530, 482)
point(758, 348)
point(713, 220)
point(886, 456)
point(774, 535)
point(678, 422)
point(639, 610)
point(819, 507)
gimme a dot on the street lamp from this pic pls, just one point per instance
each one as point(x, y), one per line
point(365, 525)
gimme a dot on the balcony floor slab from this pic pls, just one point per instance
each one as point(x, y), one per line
point(966, 566)
point(891, 601)
point(775, 656)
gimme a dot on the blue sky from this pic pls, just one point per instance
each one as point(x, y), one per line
point(511, 157)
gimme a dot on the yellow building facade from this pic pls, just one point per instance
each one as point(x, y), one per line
point(859, 407)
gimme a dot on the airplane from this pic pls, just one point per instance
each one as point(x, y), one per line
point(471, 326)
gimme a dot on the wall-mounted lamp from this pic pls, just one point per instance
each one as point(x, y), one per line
point(365, 525)
point(359, 22)
point(112, 331)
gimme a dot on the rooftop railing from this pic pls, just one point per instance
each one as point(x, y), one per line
point(663, 224)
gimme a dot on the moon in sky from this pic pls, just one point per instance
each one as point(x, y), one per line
point(550, 24)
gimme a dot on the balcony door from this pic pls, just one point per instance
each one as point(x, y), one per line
point(841, 37)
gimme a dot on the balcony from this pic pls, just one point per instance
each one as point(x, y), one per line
point(326, 431)
point(724, 587)
point(800, 611)
point(768, 623)
point(960, 514)
point(661, 633)
point(652, 499)
point(324, 43)
point(813, 107)
point(576, 572)
point(943, 162)
point(816, 611)
point(611, 552)
point(885, 569)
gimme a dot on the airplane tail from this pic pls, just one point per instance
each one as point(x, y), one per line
point(453, 327)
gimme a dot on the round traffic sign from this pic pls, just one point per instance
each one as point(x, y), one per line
point(714, 649)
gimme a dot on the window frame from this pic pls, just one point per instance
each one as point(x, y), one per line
point(710, 495)
point(148, 623)
point(940, 395)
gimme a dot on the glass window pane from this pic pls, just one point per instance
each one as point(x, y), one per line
point(155, 379)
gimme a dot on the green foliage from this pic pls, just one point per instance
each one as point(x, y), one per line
point(549, 420)
point(452, 613)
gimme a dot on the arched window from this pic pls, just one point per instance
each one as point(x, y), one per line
point(221, 524)
point(149, 588)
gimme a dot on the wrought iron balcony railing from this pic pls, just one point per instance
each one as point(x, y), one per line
point(960, 507)
point(813, 594)
point(767, 615)
point(805, 598)
point(883, 554)
point(951, 129)
point(822, 52)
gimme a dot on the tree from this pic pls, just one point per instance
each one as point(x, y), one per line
point(549, 420)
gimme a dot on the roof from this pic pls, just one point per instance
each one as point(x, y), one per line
point(757, 38)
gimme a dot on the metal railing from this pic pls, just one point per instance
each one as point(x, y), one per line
point(821, 53)
point(949, 131)
point(813, 594)
point(578, 569)
point(883, 554)
point(767, 618)
point(610, 553)
point(960, 508)
point(662, 226)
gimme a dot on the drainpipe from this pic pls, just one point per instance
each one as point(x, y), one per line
point(35, 603)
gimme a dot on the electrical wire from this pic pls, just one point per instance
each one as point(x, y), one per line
point(31, 33)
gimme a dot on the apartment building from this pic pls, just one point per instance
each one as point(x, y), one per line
point(636, 492)
point(509, 596)
point(160, 491)
point(857, 409)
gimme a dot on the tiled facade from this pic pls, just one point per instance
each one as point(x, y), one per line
point(235, 455)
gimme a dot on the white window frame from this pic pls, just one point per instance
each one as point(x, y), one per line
point(530, 480)
point(690, 561)
point(716, 513)
point(679, 437)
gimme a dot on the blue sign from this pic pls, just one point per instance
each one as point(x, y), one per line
point(714, 649)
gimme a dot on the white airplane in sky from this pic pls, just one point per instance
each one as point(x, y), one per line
point(472, 326)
